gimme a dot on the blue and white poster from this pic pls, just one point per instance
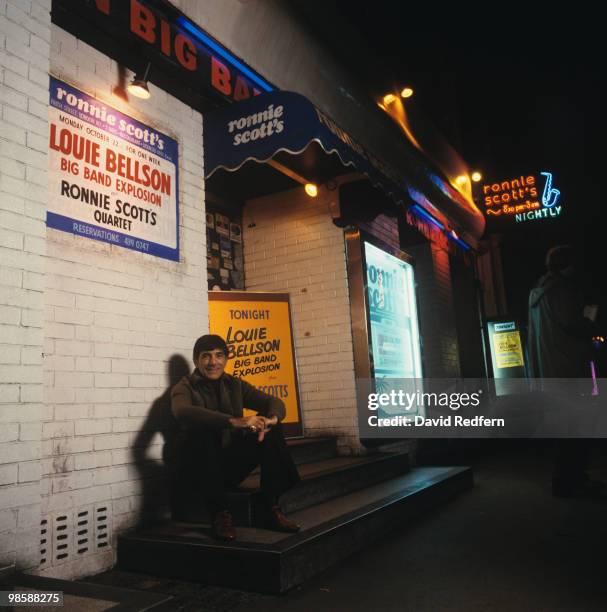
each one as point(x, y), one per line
point(393, 315)
point(111, 177)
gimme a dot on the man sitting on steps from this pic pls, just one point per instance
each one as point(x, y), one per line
point(221, 446)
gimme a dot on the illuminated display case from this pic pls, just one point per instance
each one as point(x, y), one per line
point(384, 310)
point(392, 312)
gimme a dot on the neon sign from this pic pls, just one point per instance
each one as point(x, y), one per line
point(550, 196)
point(520, 198)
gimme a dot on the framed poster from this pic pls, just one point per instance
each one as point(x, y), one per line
point(222, 224)
point(258, 331)
point(395, 345)
point(507, 354)
point(385, 327)
point(111, 177)
point(235, 232)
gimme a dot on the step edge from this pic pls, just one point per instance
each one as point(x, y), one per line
point(438, 496)
point(290, 543)
point(336, 470)
point(360, 513)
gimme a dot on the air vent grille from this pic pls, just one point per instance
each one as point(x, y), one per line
point(68, 535)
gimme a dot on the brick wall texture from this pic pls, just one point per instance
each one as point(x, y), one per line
point(385, 228)
point(87, 328)
point(440, 354)
point(291, 244)
point(25, 34)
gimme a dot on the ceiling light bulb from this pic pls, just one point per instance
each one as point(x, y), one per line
point(477, 176)
point(461, 179)
point(389, 98)
point(407, 92)
point(311, 189)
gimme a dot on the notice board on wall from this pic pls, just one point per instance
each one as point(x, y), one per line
point(225, 259)
point(258, 331)
point(111, 177)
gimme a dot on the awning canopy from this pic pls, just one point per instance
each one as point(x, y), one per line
point(286, 127)
point(262, 127)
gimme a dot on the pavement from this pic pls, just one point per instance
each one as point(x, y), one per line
point(505, 545)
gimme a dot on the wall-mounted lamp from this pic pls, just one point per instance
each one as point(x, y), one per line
point(389, 98)
point(461, 179)
point(138, 87)
point(311, 189)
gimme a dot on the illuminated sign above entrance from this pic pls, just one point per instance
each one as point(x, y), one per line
point(524, 198)
point(173, 44)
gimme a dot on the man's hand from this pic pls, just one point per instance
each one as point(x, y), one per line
point(257, 424)
point(268, 423)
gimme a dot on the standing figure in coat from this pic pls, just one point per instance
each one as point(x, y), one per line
point(221, 447)
point(560, 345)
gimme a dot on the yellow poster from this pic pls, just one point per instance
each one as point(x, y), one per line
point(507, 349)
point(257, 329)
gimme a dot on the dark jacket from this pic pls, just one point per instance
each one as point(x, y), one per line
point(195, 405)
point(559, 335)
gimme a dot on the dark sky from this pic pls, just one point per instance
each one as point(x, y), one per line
point(516, 91)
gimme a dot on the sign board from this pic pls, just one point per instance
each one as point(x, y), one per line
point(257, 329)
point(522, 199)
point(507, 355)
point(507, 348)
point(259, 128)
point(173, 43)
point(111, 177)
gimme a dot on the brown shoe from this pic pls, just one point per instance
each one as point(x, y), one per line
point(279, 522)
point(223, 526)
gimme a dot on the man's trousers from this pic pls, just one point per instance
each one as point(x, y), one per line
point(213, 462)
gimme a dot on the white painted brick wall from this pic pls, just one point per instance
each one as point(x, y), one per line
point(24, 60)
point(110, 319)
point(295, 247)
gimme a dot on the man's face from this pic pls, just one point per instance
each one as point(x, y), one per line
point(212, 363)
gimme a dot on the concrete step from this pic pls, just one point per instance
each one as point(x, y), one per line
point(307, 450)
point(271, 562)
point(331, 478)
point(320, 481)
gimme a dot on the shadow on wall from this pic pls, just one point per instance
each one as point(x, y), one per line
point(160, 488)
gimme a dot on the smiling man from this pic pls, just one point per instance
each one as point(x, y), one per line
point(221, 447)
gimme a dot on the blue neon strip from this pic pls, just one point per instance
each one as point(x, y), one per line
point(426, 215)
point(463, 244)
point(209, 42)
